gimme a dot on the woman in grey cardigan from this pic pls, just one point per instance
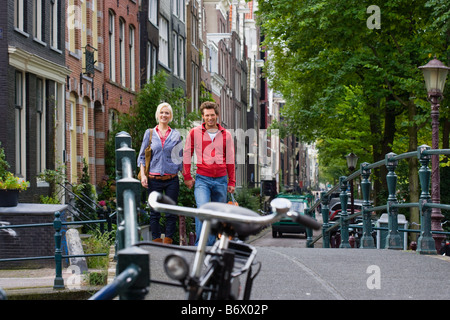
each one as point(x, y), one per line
point(164, 168)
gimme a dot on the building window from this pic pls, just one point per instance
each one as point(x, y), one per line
point(71, 24)
point(194, 87)
point(94, 29)
point(85, 128)
point(182, 57)
point(37, 20)
point(112, 47)
point(40, 125)
point(54, 21)
point(178, 9)
point(122, 51)
point(151, 60)
point(19, 15)
point(175, 53)
point(237, 85)
point(113, 116)
point(153, 11)
point(194, 31)
point(178, 56)
point(132, 50)
point(164, 41)
point(20, 131)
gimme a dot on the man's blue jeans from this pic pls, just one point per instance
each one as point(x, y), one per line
point(208, 189)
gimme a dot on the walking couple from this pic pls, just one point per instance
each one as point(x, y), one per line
point(213, 147)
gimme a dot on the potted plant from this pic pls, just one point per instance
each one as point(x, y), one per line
point(10, 185)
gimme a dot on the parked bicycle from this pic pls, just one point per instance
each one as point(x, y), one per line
point(216, 271)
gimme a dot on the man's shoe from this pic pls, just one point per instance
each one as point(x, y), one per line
point(167, 240)
point(158, 240)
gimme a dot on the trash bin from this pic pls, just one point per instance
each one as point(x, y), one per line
point(382, 234)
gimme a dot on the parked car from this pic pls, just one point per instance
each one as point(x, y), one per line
point(286, 225)
point(336, 207)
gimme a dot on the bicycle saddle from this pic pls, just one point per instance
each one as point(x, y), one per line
point(243, 229)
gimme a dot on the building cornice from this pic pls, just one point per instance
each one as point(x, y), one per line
point(35, 64)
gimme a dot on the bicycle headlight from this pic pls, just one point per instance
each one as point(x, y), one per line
point(176, 266)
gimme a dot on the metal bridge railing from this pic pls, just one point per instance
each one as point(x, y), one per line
point(58, 256)
point(425, 245)
point(133, 263)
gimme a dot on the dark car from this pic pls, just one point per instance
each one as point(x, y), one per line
point(286, 225)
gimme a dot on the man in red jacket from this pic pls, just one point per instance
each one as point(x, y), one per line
point(214, 148)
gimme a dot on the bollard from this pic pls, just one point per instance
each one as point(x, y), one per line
point(326, 225)
point(59, 281)
point(425, 243)
point(191, 238)
point(351, 241)
point(393, 240)
point(309, 232)
point(367, 241)
point(344, 221)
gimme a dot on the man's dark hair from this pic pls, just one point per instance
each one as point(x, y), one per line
point(209, 105)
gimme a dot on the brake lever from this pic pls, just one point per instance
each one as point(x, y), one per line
point(307, 221)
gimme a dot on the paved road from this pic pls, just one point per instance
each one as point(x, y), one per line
point(290, 271)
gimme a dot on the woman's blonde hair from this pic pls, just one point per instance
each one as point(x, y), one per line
point(158, 111)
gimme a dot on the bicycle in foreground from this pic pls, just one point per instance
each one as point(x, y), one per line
point(216, 272)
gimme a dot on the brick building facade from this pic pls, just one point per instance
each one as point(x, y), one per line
point(102, 53)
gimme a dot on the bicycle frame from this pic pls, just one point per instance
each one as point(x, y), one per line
point(217, 281)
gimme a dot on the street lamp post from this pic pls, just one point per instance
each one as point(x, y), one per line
point(435, 74)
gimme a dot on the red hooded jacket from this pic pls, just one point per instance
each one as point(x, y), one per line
point(214, 158)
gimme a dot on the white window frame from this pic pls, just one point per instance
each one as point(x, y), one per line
point(178, 9)
point(18, 15)
point(132, 53)
point(54, 21)
point(37, 20)
point(194, 86)
point(112, 46)
point(122, 51)
point(163, 41)
point(41, 125)
point(181, 58)
point(20, 124)
point(151, 60)
point(153, 11)
point(175, 53)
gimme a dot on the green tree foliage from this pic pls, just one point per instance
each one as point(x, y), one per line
point(353, 88)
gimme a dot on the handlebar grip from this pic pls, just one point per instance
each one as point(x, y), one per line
point(306, 221)
point(165, 199)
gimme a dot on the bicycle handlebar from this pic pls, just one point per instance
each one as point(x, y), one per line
point(160, 202)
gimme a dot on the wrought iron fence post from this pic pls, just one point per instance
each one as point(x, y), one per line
point(326, 225)
point(425, 243)
point(59, 281)
point(344, 215)
point(367, 241)
point(393, 240)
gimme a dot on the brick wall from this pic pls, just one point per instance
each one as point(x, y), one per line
point(28, 242)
